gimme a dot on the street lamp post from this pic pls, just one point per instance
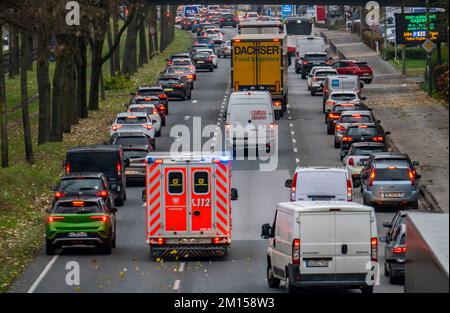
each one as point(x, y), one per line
point(429, 74)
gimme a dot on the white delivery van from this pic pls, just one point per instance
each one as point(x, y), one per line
point(320, 184)
point(308, 44)
point(250, 122)
point(327, 244)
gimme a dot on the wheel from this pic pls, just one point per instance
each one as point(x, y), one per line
point(365, 202)
point(367, 289)
point(303, 76)
point(113, 242)
point(386, 272)
point(337, 144)
point(313, 92)
point(289, 287)
point(368, 81)
point(297, 71)
point(107, 246)
point(271, 280)
point(190, 94)
point(192, 86)
point(119, 201)
point(415, 205)
point(163, 122)
point(277, 114)
point(215, 66)
point(211, 69)
point(309, 88)
point(49, 248)
point(158, 133)
point(167, 108)
point(185, 97)
point(329, 131)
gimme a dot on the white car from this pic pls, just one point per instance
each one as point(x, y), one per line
point(322, 244)
point(214, 34)
point(129, 122)
point(318, 82)
point(151, 111)
point(211, 53)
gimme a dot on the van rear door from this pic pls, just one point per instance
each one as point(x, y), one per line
point(352, 242)
point(317, 243)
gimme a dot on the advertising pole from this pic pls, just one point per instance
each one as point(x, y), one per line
point(429, 73)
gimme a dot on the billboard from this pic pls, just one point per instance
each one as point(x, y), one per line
point(287, 10)
point(190, 10)
point(412, 27)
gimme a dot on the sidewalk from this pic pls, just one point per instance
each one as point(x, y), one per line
point(419, 124)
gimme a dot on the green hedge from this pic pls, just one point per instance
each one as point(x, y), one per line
point(413, 53)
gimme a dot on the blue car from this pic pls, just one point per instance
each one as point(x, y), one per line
point(204, 40)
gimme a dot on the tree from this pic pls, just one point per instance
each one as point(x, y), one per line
point(3, 114)
point(24, 95)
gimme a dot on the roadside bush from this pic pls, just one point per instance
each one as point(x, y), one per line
point(118, 82)
point(440, 73)
point(413, 53)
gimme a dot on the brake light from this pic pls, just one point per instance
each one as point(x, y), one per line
point(237, 40)
point(351, 162)
point(305, 62)
point(356, 115)
point(103, 194)
point(157, 241)
point(169, 63)
point(77, 203)
point(52, 219)
point(228, 126)
point(346, 138)
point(148, 126)
point(59, 194)
point(374, 248)
point(362, 126)
point(412, 177)
point(154, 112)
point(339, 127)
point(272, 125)
point(277, 103)
point(119, 168)
point(102, 218)
point(296, 251)
point(349, 190)
point(162, 96)
point(330, 102)
point(372, 177)
point(115, 127)
point(178, 85)
point(377, 138)
point(67, 168)
point(333, 116)
point(161, 107)
point(398, 250)
point(190, 76)
point(210, 59)
point(294, 187)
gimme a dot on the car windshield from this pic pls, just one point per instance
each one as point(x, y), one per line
point(298, 28)
point(366, 150)
point(392, 174)
point(362, 131)
point(316, 57)
point(75, 184)
point(134, 153)
point(343, 96)
point(131, 141)
point(169, 81)
point(356, 119)
point(323, 73)
point(76, 207)
point(92, 161)
point(131, 120)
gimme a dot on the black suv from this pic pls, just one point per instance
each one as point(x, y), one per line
point(362, 133)
point(154, 91)
point(203, 60)
point(105, 159)
point(176, 86)
point(310, 60)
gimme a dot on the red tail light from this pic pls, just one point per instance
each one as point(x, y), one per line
point(349, 190)
point(340, 127)
point(52, 219)
point(59, 195)
point(155, 111)
point(412, 177)
point(372, 177)
point(103, 218)
point(67, 168)
point(346, 138)
point(210, 59)
point(377, 138)
point(277, 103)
point(330, 102)
point(315, 79)
point(162, 96)
point(119, 168)
point(157, 241)
point(169, 63)
point(115, 127)
point(178, 85)
point(333, 116)
point(374, 249)
point(399, 250)
point(294, 187)
point(222, 20)
point(296, 251)
point(351, 162)
point(305, 62)
point(148, 126)
point(103, 194)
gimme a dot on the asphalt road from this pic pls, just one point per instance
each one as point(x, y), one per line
point(302, 140)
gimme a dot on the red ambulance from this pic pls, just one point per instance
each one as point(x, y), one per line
point(188, 209)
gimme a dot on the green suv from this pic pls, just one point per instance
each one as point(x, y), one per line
point(85, 222)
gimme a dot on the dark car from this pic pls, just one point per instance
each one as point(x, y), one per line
point(362, 133)
point(203, 61)
point(183, 71)
point(196, 47)
point(176, 86)
point(136, 154)
point(228, 20)
point(105, 159)
point(310, 60)
point(333, 116)
point(154, 91)
point(161, 108)
point(83, 184)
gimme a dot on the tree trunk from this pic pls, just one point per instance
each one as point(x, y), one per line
point(112, 65)
point(96, 67)
point(102, 86)
point(24, 95)
point(116, 55)
point(13, 51)
point(163, 26)
point(152, 31)
point(143, 54)
point(129, 65)
point(43, 82)
point(3, 114)
point(82, 78)
point(30, 53)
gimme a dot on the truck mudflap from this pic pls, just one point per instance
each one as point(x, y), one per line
point(188, 251)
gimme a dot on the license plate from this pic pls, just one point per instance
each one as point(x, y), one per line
point(394, 194)
point(131, 172)
point(168, 89)
point(366, 74)
point(77, 234)
point(200, 62)
point(317, 263)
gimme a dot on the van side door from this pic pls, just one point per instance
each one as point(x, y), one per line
point(282, 242)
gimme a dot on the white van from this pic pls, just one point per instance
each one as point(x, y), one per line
point(308, 44)
point(250, 121)
point(320, 184)
point(327, 244)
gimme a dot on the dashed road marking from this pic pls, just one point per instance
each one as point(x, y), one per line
point(295, 150)
point(194, 101)
point(181, 267)
point(42, 275)
point(292, 133)
point(293, 140)
point(297, 160)
point(176, 284)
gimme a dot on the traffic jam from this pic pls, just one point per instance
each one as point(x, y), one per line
point(338, 225)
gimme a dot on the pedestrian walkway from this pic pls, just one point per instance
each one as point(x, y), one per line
point(419, 124)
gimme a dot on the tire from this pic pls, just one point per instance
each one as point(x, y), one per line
point(192, 86)
point(367, 290)
point(190, 94)
point(271, 281)
point(313, 92)
point(167, 108)
point(289, 287)
point(415, 205)
point(107, 246)
point(277, 114)
point(330, 131)
point(368, 81)
point(185, 97)
point(215, 66)
point(163, 122)
point(211, 69)
point(337, 144)
point(118, 202)
point(297, 71)
point(386, 272)
point(309, 88)
point(113, 242)
point(49, 248)
point(158, 133)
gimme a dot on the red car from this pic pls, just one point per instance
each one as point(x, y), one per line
point(352, 67)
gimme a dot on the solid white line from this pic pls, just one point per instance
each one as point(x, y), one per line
point(42, 275)
point(143, 204)
point(176, 284)
point(181, 267)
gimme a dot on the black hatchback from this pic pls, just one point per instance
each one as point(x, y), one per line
point(203, 61)
point(176, 86)
point(363, 133)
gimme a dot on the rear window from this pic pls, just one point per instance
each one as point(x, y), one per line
point(315, 57)
point(367, 131)
point(175, 182)
point(343, 96)
point(91, 161)
point(131, 141)
point(366, 150)
point(147, 109)
point(361, 64)
point(134, 153)
point(323, 74)
point(131, 120)
point(201, 55)
point(142, 101)
point(74, 184)
point(321, 183)
point(392, 174)
point(212, 31)
point(341, 108)
point(177, 70)
point(168, 81)
point(356, 119)
point(77, 207)
point(201, 182)
point(181, 62)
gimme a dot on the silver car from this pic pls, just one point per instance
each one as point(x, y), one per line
point(224, 50)
point(390, 184)
point(133, 122)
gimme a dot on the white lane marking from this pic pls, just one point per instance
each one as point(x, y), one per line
point(293, 140)
point(181, 267)
point(176, 284)
point(289, 111)
point(291, 125)
point(194, 101)
point(42, 275)
point(289, 117)
point(295, 150)
point(143, 204)
point(292, 133)
point(297, 160)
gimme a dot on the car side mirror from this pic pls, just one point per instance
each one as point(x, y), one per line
point(144, 196)
point(48, 211)
point(234, 194)
point(64, 163)
point(415, 163)
point(113, 210)
point(154, 121)
point(363, 98)
point(127, 162)
point(387, 225)
point(378, 121)
point(266, 231)
point(288, 183)
point(387, 133)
